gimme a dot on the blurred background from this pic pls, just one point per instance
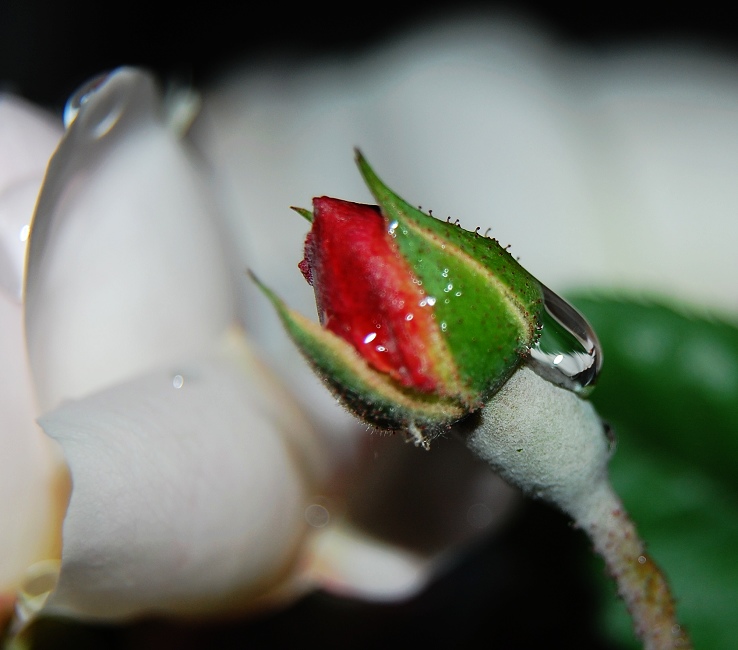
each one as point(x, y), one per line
point(48, 48)
point(534, 583)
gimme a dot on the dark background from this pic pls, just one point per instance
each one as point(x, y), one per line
point(530, 587)
point(49, 47)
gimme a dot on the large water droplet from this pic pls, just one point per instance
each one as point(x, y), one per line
point(567, 353)
point(80, 96)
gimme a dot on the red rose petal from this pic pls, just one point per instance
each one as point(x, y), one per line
point(365, 291)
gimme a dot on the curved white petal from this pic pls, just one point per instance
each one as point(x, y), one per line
point(28, 137)
point(33, 489)
point(126, 269)
point(347, 562)
point(187, 497)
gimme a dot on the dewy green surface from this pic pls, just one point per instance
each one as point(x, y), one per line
point(669, 385)
point(487, 305)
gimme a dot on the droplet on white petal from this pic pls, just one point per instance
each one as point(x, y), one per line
point(186, 500)
point(126, 268)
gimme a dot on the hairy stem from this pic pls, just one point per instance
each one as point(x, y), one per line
point(552, 444)
point(640, 582)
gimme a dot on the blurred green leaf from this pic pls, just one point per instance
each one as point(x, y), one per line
point(669, 387)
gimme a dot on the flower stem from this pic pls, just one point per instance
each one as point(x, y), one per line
point(552, 444)
point(640, 582)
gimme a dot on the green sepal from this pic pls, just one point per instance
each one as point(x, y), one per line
point(304, 213)
point(488, 307)
point(370, 395)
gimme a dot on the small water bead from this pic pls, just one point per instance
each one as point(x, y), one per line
point(370, 337)
point(317, 515)
point(392, 228)
point(567, 353)
point(177, 381)
point(428, 300)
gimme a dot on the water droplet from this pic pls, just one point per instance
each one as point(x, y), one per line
point(24, 232)
point(80, 96)
point(457, 294)
point(39, 581)
point(641, 559)
point(445, 273)
point(317, 515)
point(409, 317)
point(103, 100)
point(370, 337)
point(381, 348)
point(392, 228)
point(567, 353)
point(177, 381)
point(448, 288)
point(444, 327)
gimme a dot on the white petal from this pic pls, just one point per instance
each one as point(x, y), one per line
point(347, 562)
point(186, 497)
point(126, 269)
point(27, 139)
point(33, 487)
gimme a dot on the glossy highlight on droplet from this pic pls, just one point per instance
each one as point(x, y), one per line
point(567, 352)
point(80, 96)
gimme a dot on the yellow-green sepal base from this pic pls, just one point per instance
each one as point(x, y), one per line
point(370, 395)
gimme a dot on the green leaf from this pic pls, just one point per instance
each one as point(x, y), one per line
point(669, 386)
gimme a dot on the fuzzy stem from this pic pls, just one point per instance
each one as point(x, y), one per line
point(640, 582)
point(551, 443)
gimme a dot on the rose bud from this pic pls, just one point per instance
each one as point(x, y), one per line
point(421, 322)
